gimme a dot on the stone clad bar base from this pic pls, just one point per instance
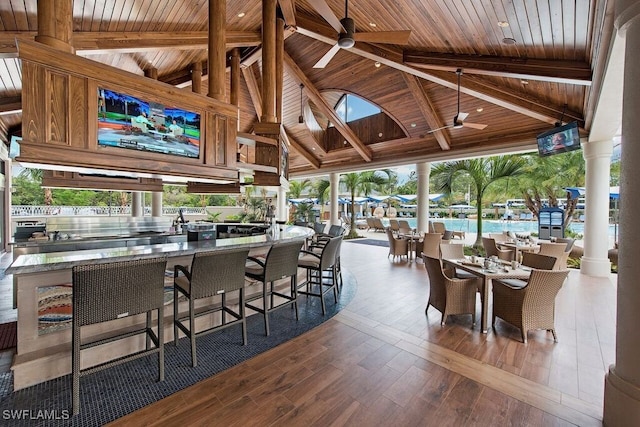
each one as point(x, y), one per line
point(42, 357)
point(621, 398)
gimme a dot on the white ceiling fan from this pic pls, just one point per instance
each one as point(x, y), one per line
point(459, 118)
point(347, 35)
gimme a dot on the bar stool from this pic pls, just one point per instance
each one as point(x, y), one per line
point(281, 262)
point(211, 273)
point(316, 264)
point(110, 291)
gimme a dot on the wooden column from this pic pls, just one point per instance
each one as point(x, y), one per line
point(196, 77)
point(217, 49)
point(279, 67)
point(269, 61)
point(55, 24)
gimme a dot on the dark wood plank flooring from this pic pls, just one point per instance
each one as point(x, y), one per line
point(381, 361)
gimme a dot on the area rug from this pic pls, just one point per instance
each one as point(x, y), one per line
point(122, 389)
point(8, 335)
point(374, 242)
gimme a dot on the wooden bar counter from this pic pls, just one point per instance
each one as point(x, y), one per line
point(44, 353)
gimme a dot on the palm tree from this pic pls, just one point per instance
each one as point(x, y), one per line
point(547, 177)
point(363, 183)
point(482, 172)
point(296, 188)
point(320, 191)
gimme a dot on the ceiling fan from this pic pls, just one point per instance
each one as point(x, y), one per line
point(458, 119)
point(347, 35)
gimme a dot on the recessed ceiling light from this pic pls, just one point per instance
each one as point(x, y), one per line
point(313, 148)
point(372, 24)
point(508, 40)
point(413, 125)
point(503, 24)
point(344, 142)
point(524, 82)
point(380, 135)
point(479, 110)
point(377, 64)
point(241, 15)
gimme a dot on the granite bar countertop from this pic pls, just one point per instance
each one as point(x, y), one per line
point(52, 261)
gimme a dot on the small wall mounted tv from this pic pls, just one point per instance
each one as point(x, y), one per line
point(559, 140)
point(125, 121)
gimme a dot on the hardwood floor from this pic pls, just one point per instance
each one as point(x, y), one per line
point(381, 361)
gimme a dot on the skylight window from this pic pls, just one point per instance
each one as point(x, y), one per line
point(351, 107)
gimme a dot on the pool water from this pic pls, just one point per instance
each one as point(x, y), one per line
point(498, 226)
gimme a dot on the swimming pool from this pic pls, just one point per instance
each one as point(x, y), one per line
point(498, 226)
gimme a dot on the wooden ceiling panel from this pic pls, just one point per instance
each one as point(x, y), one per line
point(567, 30)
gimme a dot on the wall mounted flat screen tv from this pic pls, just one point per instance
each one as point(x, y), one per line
point(559, 140)
point(125, 121)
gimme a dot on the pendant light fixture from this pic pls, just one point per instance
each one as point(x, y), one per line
point(301, 116)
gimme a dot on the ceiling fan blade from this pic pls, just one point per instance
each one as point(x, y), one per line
point(442, 128)
point(325, 11)
point(474, 125)
point(389, 37)
point(462, 116)
point(327, 57)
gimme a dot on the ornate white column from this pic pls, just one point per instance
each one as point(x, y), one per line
point(422, 211)
point(622, 383)
point(595, 261)
point(334, 184)
point(282, 213)
point(156, 203)
point(136, 204)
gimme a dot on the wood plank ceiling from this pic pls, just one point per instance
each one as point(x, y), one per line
point(526, 64)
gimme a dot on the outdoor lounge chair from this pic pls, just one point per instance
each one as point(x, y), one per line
point(532, 306)
point(378, 225)
point(404, 226)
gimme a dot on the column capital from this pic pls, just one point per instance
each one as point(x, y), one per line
point(597, 149)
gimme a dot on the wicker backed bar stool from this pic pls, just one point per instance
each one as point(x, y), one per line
point(316, 265)
point(211, 273)
point(281, 262)
point(110, 291)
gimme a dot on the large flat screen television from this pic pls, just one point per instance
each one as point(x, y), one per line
point(559, 140)
point(125, 121)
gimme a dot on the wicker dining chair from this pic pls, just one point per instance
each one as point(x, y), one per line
point(449, 295)
point(398, 247)
point(557, 250)
point(491, 249)
point(110, 291)
point(211, 273)
point(531, 260)
point(429, 244)
point(281, 262)
point(530, 307)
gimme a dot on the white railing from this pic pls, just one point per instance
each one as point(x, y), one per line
point(41, 210)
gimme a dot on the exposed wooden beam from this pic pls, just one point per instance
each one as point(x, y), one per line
point(10, 105)
point(254, 89)
point(93, 43)
point(426, 108)
point(315, 96)
point(313, 161)
point(288, 9)
point(548, 70)
point(392, 57)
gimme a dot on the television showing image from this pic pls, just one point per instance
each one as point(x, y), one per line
point(125, 121)
point(559, 140)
